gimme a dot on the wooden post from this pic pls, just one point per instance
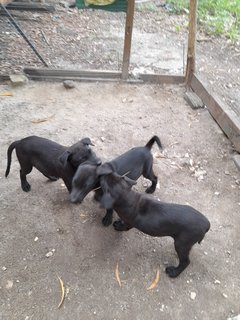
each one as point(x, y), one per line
point(128, 38)
point(191, 54)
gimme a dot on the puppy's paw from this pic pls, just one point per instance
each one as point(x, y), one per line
point(120, 225)
point(107, 220)
point(26, 187)
point(172, 272)
point(150, 189)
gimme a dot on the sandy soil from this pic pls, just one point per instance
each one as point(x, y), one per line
point(197, 169)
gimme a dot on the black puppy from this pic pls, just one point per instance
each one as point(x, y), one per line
point(134, 163)
point(183, 223)
point(50, 158)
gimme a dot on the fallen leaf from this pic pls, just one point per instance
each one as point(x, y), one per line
point(62, 292)
point(155, 281)
point(42, 119)
point(117, 275)
point(6, 94)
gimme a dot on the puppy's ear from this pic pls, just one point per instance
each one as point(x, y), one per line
point(87, 141)
point(107, 201)
point(63, 158)
point(129, 181)
point(104, 169)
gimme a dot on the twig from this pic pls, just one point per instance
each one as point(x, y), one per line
point(44, 37)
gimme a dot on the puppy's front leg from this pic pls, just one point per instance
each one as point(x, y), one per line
point(107, 219)
point(120, 225)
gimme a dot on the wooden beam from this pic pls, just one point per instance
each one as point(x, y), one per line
point(192, 28)
point(161, 78)
point(227, 119)
point(27, 6)
point(71, 74)
point(128, 38)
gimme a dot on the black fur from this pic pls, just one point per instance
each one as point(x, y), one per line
point(183, 223)
point(134, 163)
point(50, 158)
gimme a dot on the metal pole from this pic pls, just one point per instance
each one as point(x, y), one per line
point(14, 23)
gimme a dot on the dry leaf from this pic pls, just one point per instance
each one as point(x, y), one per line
point(62, 292)
point(117, 275)
point(42, 119)
point(155, 281)
point(6, 94)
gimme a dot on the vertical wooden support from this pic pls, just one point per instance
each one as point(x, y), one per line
point(191, 54)
point(128, 38)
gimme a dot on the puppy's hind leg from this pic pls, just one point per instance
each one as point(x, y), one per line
point(182, 248)
point(24, 183)
point(151, 176)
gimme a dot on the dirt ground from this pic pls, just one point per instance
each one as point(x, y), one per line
point(197, 169)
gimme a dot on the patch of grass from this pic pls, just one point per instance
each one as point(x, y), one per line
point(218, 17)
point(146, 7)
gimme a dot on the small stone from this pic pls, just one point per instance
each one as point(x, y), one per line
point(193, 295)
point(68, 84)
point(225, 295)
point(227, 173)
point(186, 155)
point(102, 139)
point(18, 79)
point(36, 239)
point(162, 307)
point(217, 193)
point(9, 284)
point(217, 282)
point(49, 254)
point(205, 252)
point(4, 268)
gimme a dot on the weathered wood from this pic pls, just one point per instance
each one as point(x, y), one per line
point(30, 6)
point(227, 119)
point(193, 100)
point(128, 38)
point(101, 75)
point(72, 73)
point(161, 78)
point(192, 27)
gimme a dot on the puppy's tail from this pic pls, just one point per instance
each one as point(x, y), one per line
point(151, 142)
point(9, 156)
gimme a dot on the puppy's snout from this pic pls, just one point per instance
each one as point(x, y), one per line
point(75, 199)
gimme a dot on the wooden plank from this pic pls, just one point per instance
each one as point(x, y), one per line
point(193, 100)
point(83, 75)
point(72, 73)
point(27, 6)
point(192, 27)
point(161, 78)
point(227, 119)
point(128, 38)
